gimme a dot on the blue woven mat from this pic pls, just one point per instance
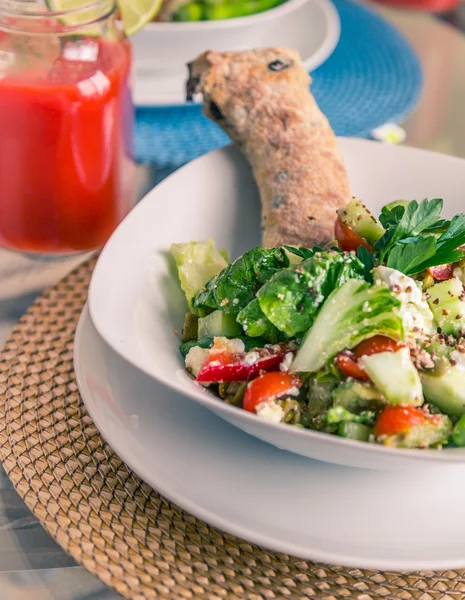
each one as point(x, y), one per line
point(372, 77)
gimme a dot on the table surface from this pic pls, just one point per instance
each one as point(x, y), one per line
point(32, 565)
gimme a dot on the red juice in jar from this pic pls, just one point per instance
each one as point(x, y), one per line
point(66, 166)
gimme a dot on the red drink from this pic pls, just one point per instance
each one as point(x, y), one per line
point(66, 170)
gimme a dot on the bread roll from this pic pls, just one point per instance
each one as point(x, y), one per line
point(261, 99)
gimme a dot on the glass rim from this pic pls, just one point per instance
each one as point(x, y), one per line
point(15, 12)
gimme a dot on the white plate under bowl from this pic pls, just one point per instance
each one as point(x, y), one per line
point(355, 517)
point(137, 306)
point(162, 50)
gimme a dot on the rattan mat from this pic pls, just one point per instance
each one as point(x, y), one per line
point(116, 526)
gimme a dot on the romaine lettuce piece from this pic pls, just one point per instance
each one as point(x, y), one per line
point(293, 296)
point(351, 314)
point(197, 263)
point(236, 285)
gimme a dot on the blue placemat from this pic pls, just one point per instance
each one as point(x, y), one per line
point(372, 77)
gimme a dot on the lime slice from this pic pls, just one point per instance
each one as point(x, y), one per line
point(135, 14)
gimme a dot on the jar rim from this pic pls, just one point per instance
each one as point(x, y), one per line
point(16, 14)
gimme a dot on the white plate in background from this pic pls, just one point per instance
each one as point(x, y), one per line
point(162, 50)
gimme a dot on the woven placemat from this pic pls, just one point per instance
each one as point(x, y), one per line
point(115, 525)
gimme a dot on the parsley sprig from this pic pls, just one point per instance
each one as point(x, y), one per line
point(416, 237)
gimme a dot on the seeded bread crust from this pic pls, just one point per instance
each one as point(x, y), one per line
point(261, 99)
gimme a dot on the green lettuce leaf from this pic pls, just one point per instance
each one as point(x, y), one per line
point(236, 285)
point(293, 296)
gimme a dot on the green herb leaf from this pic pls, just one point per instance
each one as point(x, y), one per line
point(389, 217)
point(368, 260)
point(303, 252)
point(418, 217)
point(454, 236)
point(415, 219)
point(415, 254)
point(438, 227)
point(409, 258)
point(441, 258)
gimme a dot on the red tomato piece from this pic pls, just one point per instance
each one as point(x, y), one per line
point(268, 387)
point(375, 345)
point(442, 272)
point(348, 362)
point(347, 238)
point(349, 366)
point(222, 365)
point(398, 419)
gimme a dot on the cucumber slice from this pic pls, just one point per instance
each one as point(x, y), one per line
point(446, 391)
point(422, 436)
point(445, 301)
point(354, 431)
point(356, 396)
point(395, 376)
point(357, 216)
point(219, 324)
point(391, 205)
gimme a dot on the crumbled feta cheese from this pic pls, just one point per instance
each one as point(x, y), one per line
point(195, 359)
point(287, 361)
point(251, 358)
point(293, 391)
point(233, 346)
point(270, 411)
point(415, 312)
point(236, 301)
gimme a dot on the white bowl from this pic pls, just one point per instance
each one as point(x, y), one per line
point(137, 307)
point(162, 50)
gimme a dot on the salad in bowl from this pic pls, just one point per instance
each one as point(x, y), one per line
point(363, 338)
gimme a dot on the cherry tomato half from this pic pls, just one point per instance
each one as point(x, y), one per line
point(375, 345)
point(398, 419)
point(349, 364)
point(268, 387)
point(350, 367)
point(347, 238)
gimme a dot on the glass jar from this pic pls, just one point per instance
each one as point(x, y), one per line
point(67, 174)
